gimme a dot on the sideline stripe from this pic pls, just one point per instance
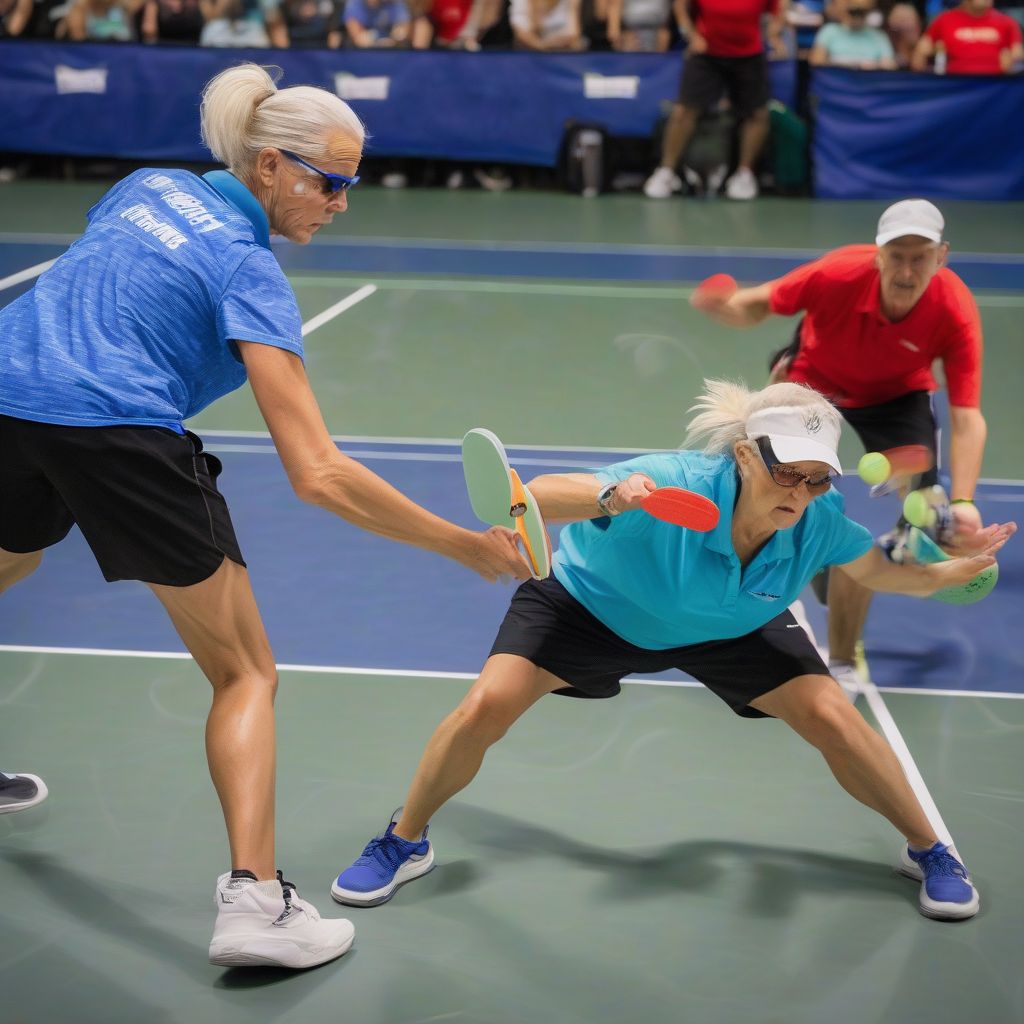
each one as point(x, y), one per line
point(25, 275)
point(352, 670)
point(339, 307)
point(906, 759)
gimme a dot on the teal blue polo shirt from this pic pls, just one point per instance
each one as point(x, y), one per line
point(660, 586)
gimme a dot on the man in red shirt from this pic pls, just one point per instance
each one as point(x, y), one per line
point(975, 39)
point(876, 318)
point(724, 54)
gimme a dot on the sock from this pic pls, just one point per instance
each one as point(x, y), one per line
point(242, 873)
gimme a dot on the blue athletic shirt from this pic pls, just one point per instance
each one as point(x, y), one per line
point(659, 586)
point(136, 322)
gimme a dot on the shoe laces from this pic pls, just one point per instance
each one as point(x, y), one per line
point(292, 900)
point(386, 850)
point(942, 862)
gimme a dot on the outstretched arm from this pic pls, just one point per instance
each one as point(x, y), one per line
point(322, 475)
point(746, 307)
point(568, 497)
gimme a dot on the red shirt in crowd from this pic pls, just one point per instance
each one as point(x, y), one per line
point(973, 42)
point(449, 18)
point(850, 352)
point(732, 28)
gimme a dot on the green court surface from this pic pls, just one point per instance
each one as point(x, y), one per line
point(651, 858)
point(646, 858)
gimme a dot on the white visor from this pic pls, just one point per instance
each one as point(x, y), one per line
point(798, 433)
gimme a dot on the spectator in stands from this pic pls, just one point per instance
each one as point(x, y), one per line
point(851, 42)
point(639, 25)
point(546, 24)
point(725, 54)
point(455, 24)
point(14, 16)
point(313, 24)
point(255, 23)
point(974, 39)
point(594, 24)
point(904, 28)
point(108, 21)
point(371, 23)
point(174, 21)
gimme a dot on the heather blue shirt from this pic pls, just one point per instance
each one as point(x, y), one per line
point(659, 586)
point(136, 322)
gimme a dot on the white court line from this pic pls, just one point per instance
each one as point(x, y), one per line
point(339, 307)
point(25, 275)
point(892, 733)
point(353, 670)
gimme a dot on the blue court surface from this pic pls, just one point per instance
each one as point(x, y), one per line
point(332, 595)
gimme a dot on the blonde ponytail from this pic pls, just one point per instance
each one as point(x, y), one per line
point(243, 112)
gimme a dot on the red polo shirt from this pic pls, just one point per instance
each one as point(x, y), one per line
point(850, 352)
point(732, 28)
point(973, 42)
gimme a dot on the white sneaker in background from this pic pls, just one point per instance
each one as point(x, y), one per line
point(694, 180)
point(849, 677)
point(742, 185)
point(395, 179)
point(662, 183)
point(265, 924)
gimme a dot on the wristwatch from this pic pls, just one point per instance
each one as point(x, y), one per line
point(604, 499)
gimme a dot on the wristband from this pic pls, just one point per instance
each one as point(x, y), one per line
point(962, 501)
point(604, 497)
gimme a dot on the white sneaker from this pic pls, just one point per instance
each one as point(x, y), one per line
point(849, 677)
point(694, 180)
point(265, 924)
point(662, 183)
point(742, 185)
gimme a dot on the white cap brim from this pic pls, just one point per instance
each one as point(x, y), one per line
point(803, 449)
point(907, 231)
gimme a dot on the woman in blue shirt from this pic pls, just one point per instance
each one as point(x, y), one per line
point(634, 594)
point(170, 299)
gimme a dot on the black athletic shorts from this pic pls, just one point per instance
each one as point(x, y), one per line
point(743, 79)
point(909, 419)
point(546, 625)
point(145, 498)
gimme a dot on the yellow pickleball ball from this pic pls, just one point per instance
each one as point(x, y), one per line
point(918, 511)
point(873, 468)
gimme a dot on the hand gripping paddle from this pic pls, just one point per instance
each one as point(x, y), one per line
point(682, 508)
point(500, 498)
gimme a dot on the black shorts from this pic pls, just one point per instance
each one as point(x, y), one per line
point(743, 79)
point(546, 625)
point(909, 419)
point(145, 499)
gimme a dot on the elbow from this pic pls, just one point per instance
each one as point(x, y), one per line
point(322, 484)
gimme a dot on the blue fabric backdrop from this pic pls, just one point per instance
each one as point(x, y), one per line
point(486, 106)
point(889, 133)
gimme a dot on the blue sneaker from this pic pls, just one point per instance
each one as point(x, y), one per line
point(947, 893)
point(387, 863)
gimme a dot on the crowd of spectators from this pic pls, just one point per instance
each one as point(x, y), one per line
point(974, 37)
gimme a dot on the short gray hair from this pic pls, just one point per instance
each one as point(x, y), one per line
point(725, 406)
point(243, 112)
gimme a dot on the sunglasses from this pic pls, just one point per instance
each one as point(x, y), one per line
point(787, 476)
point(332, 183)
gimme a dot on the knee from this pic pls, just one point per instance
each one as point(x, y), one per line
point(830, 722)
point(256, 682)
point(484, 717)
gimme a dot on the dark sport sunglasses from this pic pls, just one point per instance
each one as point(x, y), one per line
point(332, 183)
point(787, 476)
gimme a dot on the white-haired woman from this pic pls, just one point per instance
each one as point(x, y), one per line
point(631, 593)
point(171, 299)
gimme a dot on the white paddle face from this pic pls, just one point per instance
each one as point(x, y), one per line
point(486, 469)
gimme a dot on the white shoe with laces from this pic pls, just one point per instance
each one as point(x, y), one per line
point(662, 183)
point(742, 185)
point(265, 924)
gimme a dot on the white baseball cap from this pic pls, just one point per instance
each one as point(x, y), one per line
point(798, 433)
point(910, 217)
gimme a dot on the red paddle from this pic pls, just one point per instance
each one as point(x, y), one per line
point(717, 287)
point(682, 508)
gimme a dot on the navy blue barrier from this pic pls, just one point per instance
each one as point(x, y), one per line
point(879, 134)
point(142, 102)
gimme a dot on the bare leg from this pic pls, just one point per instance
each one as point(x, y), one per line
point(507, 687)
point(678, 131)
point(848, 604)
point(220, 624)
point(14, 567)
point(753, 133)
point(862, 762)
